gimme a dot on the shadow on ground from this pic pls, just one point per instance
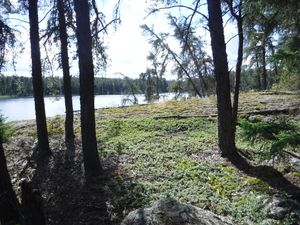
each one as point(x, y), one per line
point(68, 198)
point(268, 174)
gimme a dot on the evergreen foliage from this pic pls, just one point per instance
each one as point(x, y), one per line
point(272, 34)
point(6, 131)
point(275, 136)
point(19, 86)
point(7, 33)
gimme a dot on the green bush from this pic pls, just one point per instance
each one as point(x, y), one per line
point(279, 135)
point(6, 130)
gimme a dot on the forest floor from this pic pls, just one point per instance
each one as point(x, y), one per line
point(157, 150)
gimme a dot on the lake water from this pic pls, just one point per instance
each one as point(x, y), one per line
point(23, 108)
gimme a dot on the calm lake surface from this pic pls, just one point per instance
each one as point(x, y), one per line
point(23, 108)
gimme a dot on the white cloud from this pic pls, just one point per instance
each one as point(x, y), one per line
point(127, 47)
point(127, 51)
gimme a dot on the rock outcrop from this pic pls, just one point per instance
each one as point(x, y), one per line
point(170, 212)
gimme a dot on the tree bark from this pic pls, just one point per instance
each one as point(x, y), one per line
point(239, 19)
point(32, 205)
point(275, 66)
point(258, 71)
point(37, 81)
point(264, 69)
point(69, 129)
point(86, 70)
point(9, 205)
point(225, 123)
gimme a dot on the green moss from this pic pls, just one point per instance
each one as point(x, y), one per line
point(297, 174)
point(6, 96)
point(257, 184)
point(55, 126)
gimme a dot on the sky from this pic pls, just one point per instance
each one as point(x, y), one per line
point(127, 47)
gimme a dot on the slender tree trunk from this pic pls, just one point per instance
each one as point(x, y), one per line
point(238, 70)
point(69, 130)
point(225, 131)
point(9, 205)
point(157, 85)
point(86, 69)
point(275, 66)
point(37, 81)
point(32, 204)
point(264, 69)
point(258, 71)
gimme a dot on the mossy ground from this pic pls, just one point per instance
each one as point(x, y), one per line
point(179, 158)
point(156, 157)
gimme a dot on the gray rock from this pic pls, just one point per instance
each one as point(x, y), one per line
point(170, 212)
point(295, 163)
point(278, 208)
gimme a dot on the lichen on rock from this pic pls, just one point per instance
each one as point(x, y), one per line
point(168, 211)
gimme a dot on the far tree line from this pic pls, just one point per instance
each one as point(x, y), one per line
point(20, 86)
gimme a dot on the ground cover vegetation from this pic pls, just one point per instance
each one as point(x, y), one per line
point(170, 149)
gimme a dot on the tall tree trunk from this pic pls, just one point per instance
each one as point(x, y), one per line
point(69, 130)
point(264, 69)
point(32, 204)
point(157, 85)
point(225, 131)
point(258, 71)
point(9, 206)
point(238, 69)
point(37, 81)
point(275, 66)
point(86, 70)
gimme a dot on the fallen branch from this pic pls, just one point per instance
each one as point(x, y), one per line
point(271, 111)
point(262, 112)
point(184, 116)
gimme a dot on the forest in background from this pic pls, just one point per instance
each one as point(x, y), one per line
point(20, 86)
point(17, 86)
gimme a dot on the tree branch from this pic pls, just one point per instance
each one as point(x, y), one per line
point(98, 17)
point(104, 28)
point(178, 6)
point(190, 23)
point(175, 59)
point(231, 38)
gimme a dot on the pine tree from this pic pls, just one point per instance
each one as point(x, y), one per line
point(86, 74)
point(43, 142)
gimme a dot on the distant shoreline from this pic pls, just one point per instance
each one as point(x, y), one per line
point(49, 96)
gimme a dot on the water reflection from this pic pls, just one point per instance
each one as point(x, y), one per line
point(23, 108)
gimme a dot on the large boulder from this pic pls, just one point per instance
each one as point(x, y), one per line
point(170, 212)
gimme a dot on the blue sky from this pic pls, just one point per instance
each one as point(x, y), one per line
point(127, 47)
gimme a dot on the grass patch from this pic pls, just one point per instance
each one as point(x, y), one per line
point(177, 157)
point(55, 126)
point(156, 163)
point(7, 96)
